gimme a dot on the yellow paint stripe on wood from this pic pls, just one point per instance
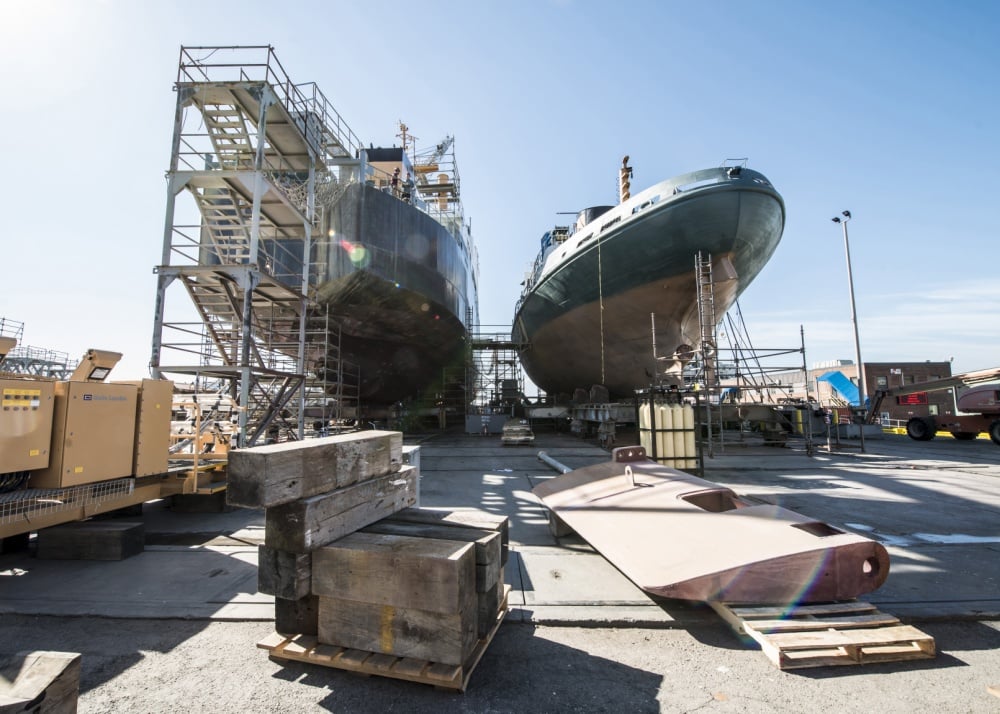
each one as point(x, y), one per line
point(386, 639)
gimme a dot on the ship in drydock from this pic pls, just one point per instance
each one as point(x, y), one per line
point(601, 288)
point(327, 276)
point(399, 273)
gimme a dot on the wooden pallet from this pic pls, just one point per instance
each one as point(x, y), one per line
point(841, 633)
point(305, 648)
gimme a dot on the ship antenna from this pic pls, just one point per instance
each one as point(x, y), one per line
point(405, 136)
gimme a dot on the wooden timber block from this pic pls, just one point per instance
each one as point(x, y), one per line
point(40, 682)
point(91, 540)
point(305, 648)
point(489, 572)
point(460, 519)
point(296, 616)
point(411, 455)
point(447, 638)
point(266, 476)
point(398, 595)
point(488, 604)
point(486, 543)
point(199, 502)
point(284, 575)
point(307, 524)
point(422, 573)
point(824, 634)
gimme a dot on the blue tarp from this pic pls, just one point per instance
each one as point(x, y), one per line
point(842, 386)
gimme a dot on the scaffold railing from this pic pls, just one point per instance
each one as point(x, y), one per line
point(11, 328)
point(320, 123)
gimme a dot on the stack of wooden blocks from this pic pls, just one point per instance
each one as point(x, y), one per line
point(354, 565)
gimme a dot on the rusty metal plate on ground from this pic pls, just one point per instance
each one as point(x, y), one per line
point(679, 536)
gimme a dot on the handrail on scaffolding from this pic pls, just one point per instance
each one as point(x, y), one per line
point(262, 65)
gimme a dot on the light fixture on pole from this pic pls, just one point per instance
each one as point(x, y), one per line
point(862, 396)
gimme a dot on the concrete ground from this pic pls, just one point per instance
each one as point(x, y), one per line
point(579, 636)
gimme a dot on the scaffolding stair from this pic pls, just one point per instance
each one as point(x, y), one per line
point(227, 130)
point(226, 218)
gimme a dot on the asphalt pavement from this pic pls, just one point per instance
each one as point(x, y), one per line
point(934, 505)
point(174, 626)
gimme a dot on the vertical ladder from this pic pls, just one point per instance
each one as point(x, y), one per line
point(707, 322)
point(707, 318)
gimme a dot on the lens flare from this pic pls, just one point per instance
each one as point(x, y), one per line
point(357, 253)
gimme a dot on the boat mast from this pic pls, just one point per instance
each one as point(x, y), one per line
point(624, 181)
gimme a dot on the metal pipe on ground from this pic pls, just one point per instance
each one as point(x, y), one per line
point(558, 466)
point(556, 525)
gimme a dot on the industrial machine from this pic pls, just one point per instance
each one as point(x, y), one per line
point(978, 408)
point(71, 448)
point(26, 409)
point(981, 413)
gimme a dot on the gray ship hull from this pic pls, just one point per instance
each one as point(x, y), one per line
point(586, 319)
point(402, 288)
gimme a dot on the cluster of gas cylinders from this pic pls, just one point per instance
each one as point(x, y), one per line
point(666, 431)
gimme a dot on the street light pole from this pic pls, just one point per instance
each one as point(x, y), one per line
point(862, 396)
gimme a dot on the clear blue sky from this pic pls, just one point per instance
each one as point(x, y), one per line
point(888, 109)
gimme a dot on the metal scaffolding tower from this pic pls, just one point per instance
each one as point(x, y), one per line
point(495, 371)
point(251, 153)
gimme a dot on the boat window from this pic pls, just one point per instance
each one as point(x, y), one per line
point(586, 238)
point(611, 222)
point(643, 206)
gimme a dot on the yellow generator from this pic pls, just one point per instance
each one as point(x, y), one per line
point(26, 409)
point(92, 434)
point(103, 431)
point(151, 448)
point(70, 436)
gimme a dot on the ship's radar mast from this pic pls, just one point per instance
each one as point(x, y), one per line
point(624, 181)
point(405, 136)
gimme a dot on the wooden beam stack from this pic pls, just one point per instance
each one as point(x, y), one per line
point(314, 492)
point(350, 561)
point(487, 533)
